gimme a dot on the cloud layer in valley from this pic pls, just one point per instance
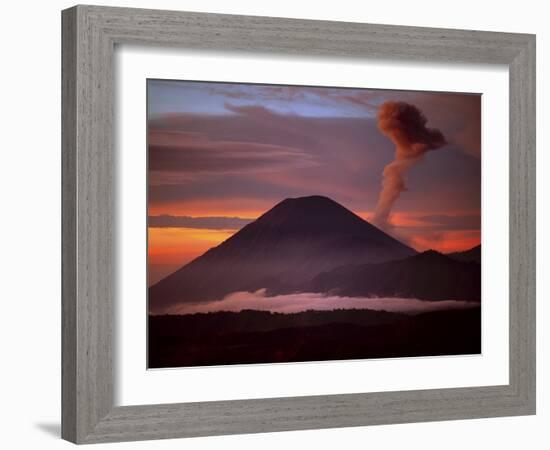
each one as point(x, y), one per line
point(294, 303)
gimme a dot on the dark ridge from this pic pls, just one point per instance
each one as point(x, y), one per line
point(426, 276)
point(471, 255)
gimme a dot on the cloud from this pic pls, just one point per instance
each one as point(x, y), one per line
point(176, 151)
point(446, 241)
point(452, 222)
point(350, 101)
point(442, 232)
point(252, 111)
point(257, 92)
point(207, 223)
point(292, 303)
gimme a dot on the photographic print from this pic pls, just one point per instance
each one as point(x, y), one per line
point(300, 223)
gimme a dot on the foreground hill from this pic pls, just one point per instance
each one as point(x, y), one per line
point(281, 251)
point(262, 337)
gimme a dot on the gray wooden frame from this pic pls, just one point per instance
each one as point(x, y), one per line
point(89, 37)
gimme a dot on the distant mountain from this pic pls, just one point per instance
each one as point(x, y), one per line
point(426, 276)
point(282, 251)
point(472, 255)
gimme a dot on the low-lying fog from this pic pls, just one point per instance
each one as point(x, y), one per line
point(293, 303)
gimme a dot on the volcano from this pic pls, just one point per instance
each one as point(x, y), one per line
point(282, 251)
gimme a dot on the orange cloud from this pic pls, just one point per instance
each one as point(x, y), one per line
point(446, 233)
point(447, 241)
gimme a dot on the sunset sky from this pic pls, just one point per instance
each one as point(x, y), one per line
point(220, 155)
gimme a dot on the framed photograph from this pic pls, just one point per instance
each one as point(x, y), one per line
point(253, 257)
point(284, 204)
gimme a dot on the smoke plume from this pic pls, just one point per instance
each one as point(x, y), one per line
point(405, 125)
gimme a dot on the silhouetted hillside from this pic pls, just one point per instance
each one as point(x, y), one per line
point(472, 255)
point(426, 276)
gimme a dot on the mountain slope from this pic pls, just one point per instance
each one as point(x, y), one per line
point(426, 276)
point(281, 251)
point(472, 255)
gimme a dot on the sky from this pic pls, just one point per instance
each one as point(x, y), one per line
point(221, 154)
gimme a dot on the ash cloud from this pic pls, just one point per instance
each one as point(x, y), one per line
point(405, 125)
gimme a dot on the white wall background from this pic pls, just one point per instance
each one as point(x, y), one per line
point(31, 208)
